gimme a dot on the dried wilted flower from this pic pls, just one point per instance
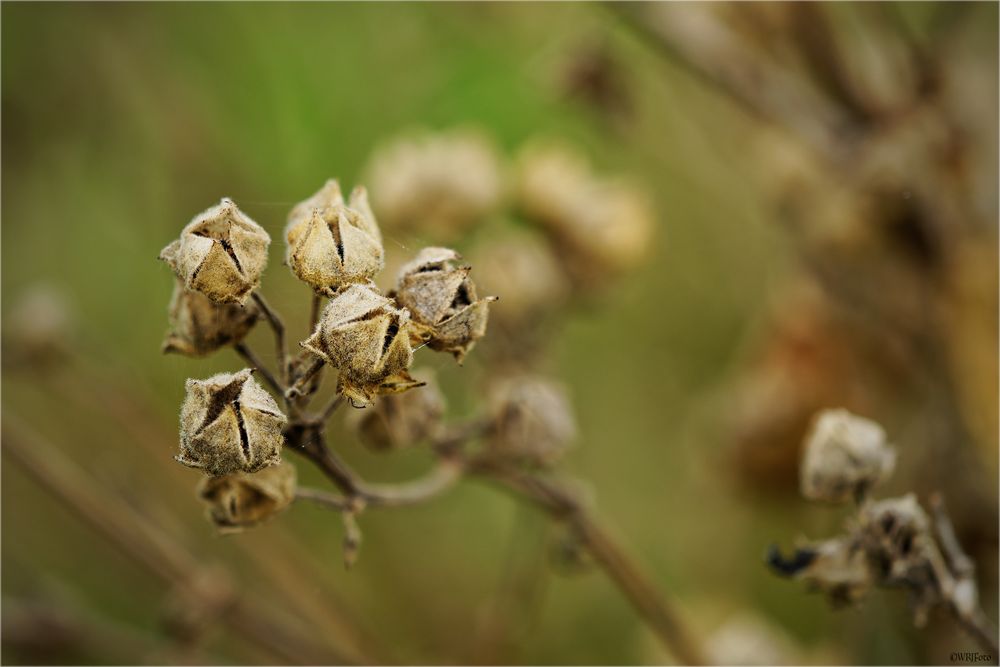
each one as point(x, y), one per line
point(845, 457)
point(221, 253)
point(364, 335)
point(199, 326)
point(401, 420)
point(896, 535)
point(243, 500)
point(229, 424)
point(443, 301)
point(331, 244)
point(602, 225)
point(533, 420)
point(439, 184)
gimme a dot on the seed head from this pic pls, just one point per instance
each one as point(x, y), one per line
point(437, 184)
point(896, 537)
point(221, 253)
point(401, 420)
point(443, 301)
point(199, 325)
point(229, 424)
point(364, 335)
point(601, 226)
point(331, 244)
point(243, 500)
point(533, 420)
point(845, 457)
point(839, 568)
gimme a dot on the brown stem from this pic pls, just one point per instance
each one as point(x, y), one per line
point(626, 574)
point(317, 302)
point(301, 382)
point(251, 358)
point(278, 327)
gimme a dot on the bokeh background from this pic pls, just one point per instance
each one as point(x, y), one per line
point(786, 274)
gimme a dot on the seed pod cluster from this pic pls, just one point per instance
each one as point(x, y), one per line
point(443, 301)
point(331, 244)
point(221, 253)
point(229, 424)
point(363, 333)
point(241, 500)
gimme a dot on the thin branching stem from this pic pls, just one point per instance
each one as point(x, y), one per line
point(251, 357)
point(278, 327)
point(314, 311)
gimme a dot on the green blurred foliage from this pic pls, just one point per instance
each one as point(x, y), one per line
point(121, 121)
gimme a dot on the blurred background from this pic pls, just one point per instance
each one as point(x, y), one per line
point(821, 181)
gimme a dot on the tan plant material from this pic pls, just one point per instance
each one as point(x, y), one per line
point(199, 326)
point(363, 334)
point(221, 253)
point(533, 420)
point(230, 424)
point(443, 301)
point(331, 244)
point(845, 456)
point(437, 184)
point(243, 500)
point(601, 226)
point(401, 420)
point(39, 330)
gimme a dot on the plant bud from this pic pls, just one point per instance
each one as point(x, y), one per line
point(443, 301)
point(436, 184)
point(243, 500)
point(401, 420)
point(845, 457)
point(364, 335)
point(221, 253)
point(533, 420)
point(199, 326)
point(330, 244)
point(229, 424)
point(602, 226)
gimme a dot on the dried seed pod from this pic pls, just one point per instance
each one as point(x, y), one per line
point(243, 500)
point(533, 420)
point(364, 335)
point(39, 330)
point(839, 568)
point(602, 226)
point(400, 420)
point(845, 456)
point(330, 244)
point(229, 424)
point(221, 253)
point(199, 326)
point(443, 301)
point(896, 536)
point(437, 184)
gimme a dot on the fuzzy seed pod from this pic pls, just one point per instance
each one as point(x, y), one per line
point(839, 568)
point(845, 457)
point(221, 253)
point(436, 184)
point(401, 420)
point(229, 424)
point(199, 326)
point(243, 500)
point(533, 420)
point(601, 226)
point(896, 536)
point(330, 244)
point(443, 301)
point(364, 335)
